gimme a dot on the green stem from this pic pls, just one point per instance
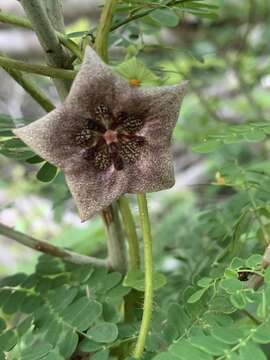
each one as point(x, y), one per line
point(129, 224)
point(15, 20)
point(104, 26)
point(56, 56)
point(50, 249)
point(115, 236)
point(37, 69)
point(30, 87)
point(148, 268)
point(54, 10)
point(25, 23)
point(71, 45)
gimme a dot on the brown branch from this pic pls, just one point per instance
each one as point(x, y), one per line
point(50, 249)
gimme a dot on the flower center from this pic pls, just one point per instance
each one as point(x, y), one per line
point(111, 140)
point(110, 136)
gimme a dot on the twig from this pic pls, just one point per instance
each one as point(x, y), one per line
point(129, 225)
point(31, 88)
point(50, 249)
point(48, 39)
point(115, 239)
point(37, 69)
point(148, 268)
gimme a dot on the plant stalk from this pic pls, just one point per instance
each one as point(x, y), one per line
point(148, 268)
point(130, 228)
point(115, 236)
point(54, 10)
point(37, 69)
point(48, 39)
point(50, 249)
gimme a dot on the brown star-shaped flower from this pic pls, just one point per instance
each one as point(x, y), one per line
point(108, 137)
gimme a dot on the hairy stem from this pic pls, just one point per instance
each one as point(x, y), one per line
point(55, 13)
point(129, 225)
point(104, 26)
point(50, 249)
point(48, 39)
point(148, 268)
point(37, 69)
point(115, 236)
point(30, 87)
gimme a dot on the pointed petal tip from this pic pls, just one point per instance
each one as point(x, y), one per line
point(19, 132)
point(84, 216)
point(184, 83)
point(90, 55)
point(183, 86)
point(16, 131)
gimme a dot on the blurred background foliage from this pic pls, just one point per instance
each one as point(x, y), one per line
point(220, 143)
point(219, 208)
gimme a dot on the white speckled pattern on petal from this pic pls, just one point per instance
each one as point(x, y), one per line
point(124, 136)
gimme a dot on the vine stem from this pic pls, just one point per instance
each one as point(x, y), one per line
point(37, 69)
point(148, 268)
point(130, 228)
point(50, 249)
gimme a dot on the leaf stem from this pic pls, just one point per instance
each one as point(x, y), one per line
point(101, 44)
point(50, 249)
point(30, 87)
point(148, 268)
point(130, 228)
point(37, 69)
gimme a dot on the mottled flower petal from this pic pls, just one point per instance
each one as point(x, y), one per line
point(94, 191)
point(163, 104)
point(152, 172)
point(95, 85)
point(108, 137)
point(130, 123)
point(50, 137)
